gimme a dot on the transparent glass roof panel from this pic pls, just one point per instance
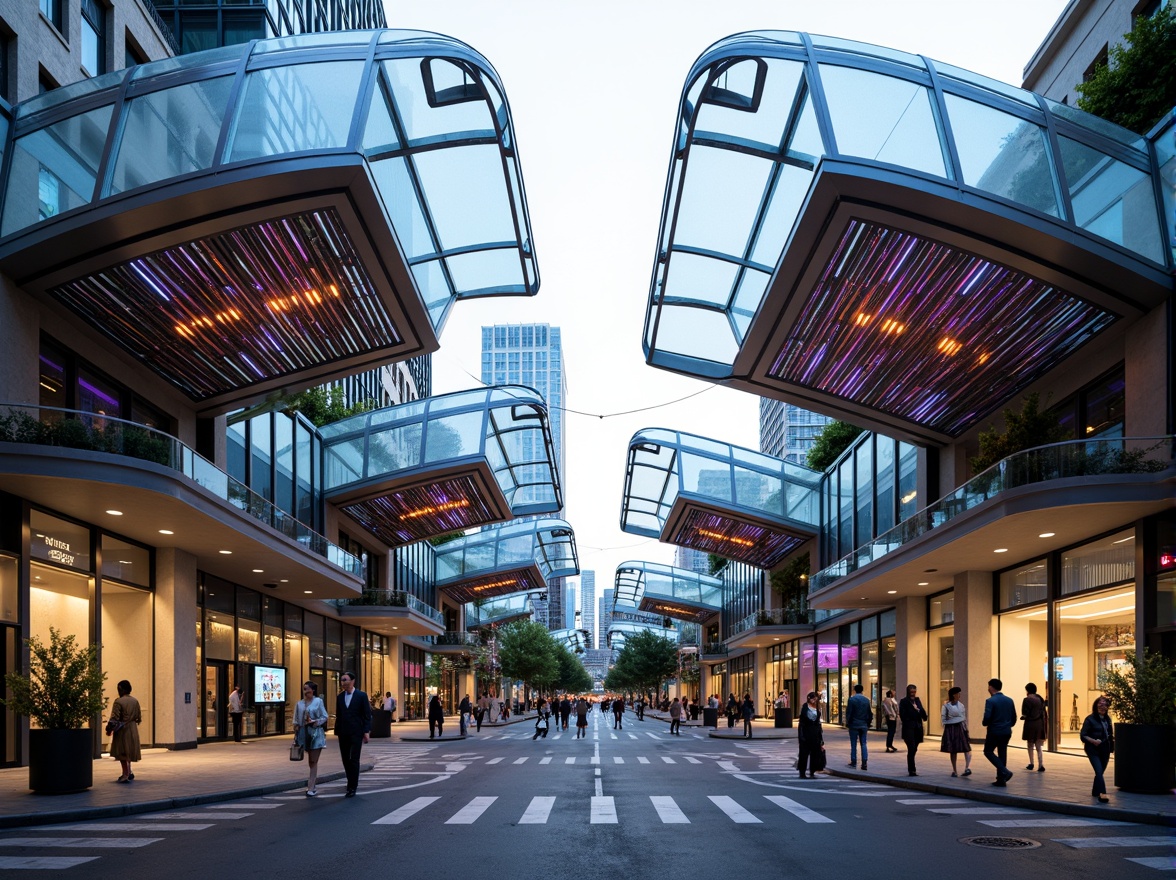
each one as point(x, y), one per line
point(1003, 154)
point(54, 169)
point(822, 41)
point(1112, 199)
point(454, 177)
point(403, 206)
point(700, 332)
point(766, 125)
point(64, 94)
point(1012, 92)
point(720, 199)
point(896, 125)
point(1101, 126)
point(170, 132)
point(806, 136)
point(453, 436)
point(701, 476)
point(206, 58)
point(751, 293)
point(420, 120)
point(485, 269)
point(395, 449)
point(295, 108)
point(700, 279)
point(790, 187)
point(379, 132)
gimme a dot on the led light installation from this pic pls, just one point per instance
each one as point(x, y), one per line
point(498, 584)
point(728, 537)
point(253, 303)
point(926, 331)
point(421, 512)
point(667, 591)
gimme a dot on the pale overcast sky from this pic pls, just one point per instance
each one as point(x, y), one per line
point(593, 90)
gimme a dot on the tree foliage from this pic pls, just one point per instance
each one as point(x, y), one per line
point(527, 652)
point(643, 664)
point(791, 584)
point(63, 687)
point(1137, 85)
point(1144, 690)
point(1023, 430)
point(323, 405)
point(573, 677)
point(833, 439)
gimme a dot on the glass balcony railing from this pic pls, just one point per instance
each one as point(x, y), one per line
point(73, 429)
point(1058, 461)
point(714, 648)
point(454, 639)
point(774, 617)
point(393, 599)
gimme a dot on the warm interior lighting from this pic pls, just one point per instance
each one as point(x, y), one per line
point(909, 496)
point(166, 532)
point(435, 508)
point(509, 582)
point(891, 592)
point(923, 583)
point(1120, 541)
point(1046, 534)
point(1001, 550)
point(308, 592)
point(115, 512)
point(259, 571)
point(225, 552)
point(949, 346)
point(1097, 613)
point(742, 542)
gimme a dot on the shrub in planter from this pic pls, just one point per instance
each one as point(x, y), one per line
point(1143, 701)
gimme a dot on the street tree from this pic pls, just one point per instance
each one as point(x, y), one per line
point(527, 652)
point(644, 663)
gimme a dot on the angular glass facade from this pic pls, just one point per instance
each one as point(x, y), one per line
point(517, 557)
point(668, 591)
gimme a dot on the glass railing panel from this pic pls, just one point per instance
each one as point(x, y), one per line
point(454, 436)
point(170, 132)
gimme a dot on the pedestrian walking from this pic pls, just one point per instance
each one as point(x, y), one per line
point(565, 711)
point(582, 708)
point(809, 738)
point(483, 708)
point(436, 716)
point(1036, 717)
point(618, 707)
point(732, 710)
point(747, 710)
point(310, 731)
point(675, 717)
point(912, 714)
point(463, 709)
point(236, 711)
point(353, 727)
point(542, 720)
point(1098, 739)
point(123, 726)
point(890, 710)
point(859, 715)
point(999, 717)
point(953, 718)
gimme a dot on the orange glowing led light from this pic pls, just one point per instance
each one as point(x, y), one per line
point(220, 317)
point(436, 508)
point(949, 346)
point(861, 319)
point(983, 358)
point(892, 326)
point(507, 583)
point(742, 542)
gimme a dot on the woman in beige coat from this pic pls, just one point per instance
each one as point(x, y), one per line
point(124, 725)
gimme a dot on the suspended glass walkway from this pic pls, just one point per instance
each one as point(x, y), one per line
point(519, 557)
point(668, 591)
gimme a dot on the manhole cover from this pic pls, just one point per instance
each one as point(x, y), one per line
point(1001, 842)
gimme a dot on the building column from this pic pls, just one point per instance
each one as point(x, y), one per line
point(910, 648)
point(176, 676)
point(975, 642)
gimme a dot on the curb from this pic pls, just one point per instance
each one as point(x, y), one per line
point(114, 811)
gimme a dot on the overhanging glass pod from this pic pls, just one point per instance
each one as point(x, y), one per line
point(668, 591)
point(497, 611)
point(575, 640)
point(740, 504)
point(270, 215)
point(891, 240)
point(519, 557)
point(621, 629)
point(443, 464)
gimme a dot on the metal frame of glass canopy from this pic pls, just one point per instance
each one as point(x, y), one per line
point(711, 496)
point(519, 557)
point(443, 464)
point(891, 240)
point(270, 215)
point(668, 591)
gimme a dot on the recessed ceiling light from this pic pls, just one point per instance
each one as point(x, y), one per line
point(226, 552)
point(285, 580)
point(929, 570)
point(863, 598)
point(258, 570)
point(115, 512)
point(166, 532)
point(125, 562)
point(1046, 534)
point(891, 592)
point(395, 627)
point(1001, 550)
point(308, 592)
point(775, 638)
point(923, 583)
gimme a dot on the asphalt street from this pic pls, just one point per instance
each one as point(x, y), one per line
point(636, 800)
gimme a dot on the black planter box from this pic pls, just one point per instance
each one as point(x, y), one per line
point(1145, 758)
point(61, 761)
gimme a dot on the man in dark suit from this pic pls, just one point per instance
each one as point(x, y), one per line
point(999, 717)
point(353, 726)
point(912, 714)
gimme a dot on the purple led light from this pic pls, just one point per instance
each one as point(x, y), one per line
point(254, 303)
point(490, 586)
point(734, 539)
point(410, 515)
point(937, 336)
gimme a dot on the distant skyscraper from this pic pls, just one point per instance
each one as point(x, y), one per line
point(569, 606)
point(787, 431)
point(604, 616)
point(588, 605)
point(532, 355)
point(691, 560)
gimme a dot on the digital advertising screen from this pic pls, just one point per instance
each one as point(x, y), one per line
point(269, 684)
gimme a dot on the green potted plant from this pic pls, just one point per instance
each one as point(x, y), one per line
point(1143, 702)
point(61, 692)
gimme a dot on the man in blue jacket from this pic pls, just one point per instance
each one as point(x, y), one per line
point(858, 716)
point(999, 717)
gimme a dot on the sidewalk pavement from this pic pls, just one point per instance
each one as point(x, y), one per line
point(225, 771)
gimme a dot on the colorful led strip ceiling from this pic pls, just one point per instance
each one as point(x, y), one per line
point(497, 584)
point(927, 332)
point(242, 306)
point(421, 512)
point(733, 539)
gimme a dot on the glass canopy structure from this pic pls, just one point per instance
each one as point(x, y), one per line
point(273, 214)
point(499, 610)
point(711, 496)
point(629, 624)
point(519, 557)
point(668, 591)
point(892, 240)
point(575, 640)
point(443, 464)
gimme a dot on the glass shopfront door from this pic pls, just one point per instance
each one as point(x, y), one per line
point(215, 692)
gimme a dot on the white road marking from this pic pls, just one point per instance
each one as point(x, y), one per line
point(690, 760)
point(668, 811)
point(571, 760)
point(604, 811)
point(469, 814)
point(632, 736)
point(732, 809)
point(618, 760)
point(494, 761)
point(1092, 842)
point(981, 811)
point(127, 826)
point(409, 809)
point(1056, 822)
point(653, 736)
point(238, 806)
point(538, 811)
point(223, 815)
point(81, 842)
point(799, 810)
point(520, 760)
point(643, 760)
point(546, 760)
point(49, 863)
point(1160, 863)
point(668, 760)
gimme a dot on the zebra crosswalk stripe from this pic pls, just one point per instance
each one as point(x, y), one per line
point(668, 811)
point(799, 810)
point(17, 863)
point(538, 811)
point(733, 810)
point(604, 810)
point(81, 842)
point(469, 814)
point(1093, 842)
point(409, 809)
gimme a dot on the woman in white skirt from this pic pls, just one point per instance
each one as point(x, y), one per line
point(954, 719)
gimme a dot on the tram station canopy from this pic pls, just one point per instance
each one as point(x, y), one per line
point(891, 240)
point(443, 464)
point(717, 498)
point(668, 591)
point(270, 215)
point(519, 557)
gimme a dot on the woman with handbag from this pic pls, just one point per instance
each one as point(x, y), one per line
point(310, 731)
point(123, 726)
point(1034, 730)
point(810, 739)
